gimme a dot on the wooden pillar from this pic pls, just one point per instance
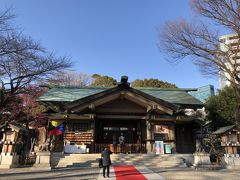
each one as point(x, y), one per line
point(229, 150)
point(150, 138)
point(235, 150)
point(5, 148)
point(93, 130)
point(172, 136)
point(4, 136)
point(10, 148)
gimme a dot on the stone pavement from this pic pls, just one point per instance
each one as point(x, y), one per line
point(94, 173)
point(63, 174)
point(192, 174)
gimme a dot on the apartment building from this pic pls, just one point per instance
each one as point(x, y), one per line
point(231, 43)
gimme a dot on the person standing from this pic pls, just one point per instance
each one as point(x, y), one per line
point(106, 160)
point(114, 143)
point(139, 144)
point(121, 142)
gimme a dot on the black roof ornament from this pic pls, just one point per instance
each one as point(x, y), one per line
point(124, 81)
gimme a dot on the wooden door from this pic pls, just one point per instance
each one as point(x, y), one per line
point(185, 138)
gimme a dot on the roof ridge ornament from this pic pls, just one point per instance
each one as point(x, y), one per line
point(124, 81)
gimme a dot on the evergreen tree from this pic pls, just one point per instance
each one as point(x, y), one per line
point(221, 108)
point(155, 83)
point(103, 81)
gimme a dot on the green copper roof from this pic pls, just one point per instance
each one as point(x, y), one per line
point(224, 129)
point(172, 96)
point(69, 94)
point(176, 96)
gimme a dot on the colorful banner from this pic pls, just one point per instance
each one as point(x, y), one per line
point(55, 123)
point(56, 128)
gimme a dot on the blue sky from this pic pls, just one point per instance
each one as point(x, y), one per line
point(109, 37)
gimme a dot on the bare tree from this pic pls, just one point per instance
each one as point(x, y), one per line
point(70, 78)
point(23, 60)
point(5, 17)
point(200, 41)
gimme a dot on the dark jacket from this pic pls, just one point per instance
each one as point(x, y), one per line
point(106, 157)
point(114, 140)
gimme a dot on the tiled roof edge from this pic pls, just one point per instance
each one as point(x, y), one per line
point(139, 88)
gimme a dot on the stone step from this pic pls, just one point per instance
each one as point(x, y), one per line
point(80, 159)
point(123, 159)
point(145, 157)
point(69, 163)
point(149, 160)
point(82, 155)
point(132, 159)
point(77, 164)
point(90, 160)
point(127, 162)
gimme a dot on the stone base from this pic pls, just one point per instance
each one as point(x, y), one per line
point(232, 161)
point(231, 155)
point(55, 158)
point(9, 161)
point(208, 167)
point(201, 160)
point(41, 167)
point(42, 161)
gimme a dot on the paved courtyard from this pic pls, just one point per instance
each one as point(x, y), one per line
point(192, 174)
point(95, 173)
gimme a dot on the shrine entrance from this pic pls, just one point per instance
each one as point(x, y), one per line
point(106, 129)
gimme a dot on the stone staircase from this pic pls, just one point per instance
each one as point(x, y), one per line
point(149, 160)
point(78, 160)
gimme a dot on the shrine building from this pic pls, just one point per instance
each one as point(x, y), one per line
point(93, 115)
